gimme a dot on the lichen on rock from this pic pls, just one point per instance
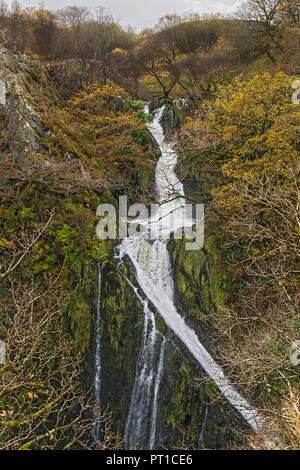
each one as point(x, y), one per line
point(21, 124)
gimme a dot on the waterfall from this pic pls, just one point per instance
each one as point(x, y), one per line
point(156, 389)
point(97, 367)
point(147, 380)
point(154, 275)
point(136, 428)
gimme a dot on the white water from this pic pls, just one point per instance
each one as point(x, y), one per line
point(137, 424)
point(144, 394)
point(154, 274)
point(97, 370)
point(156, 390)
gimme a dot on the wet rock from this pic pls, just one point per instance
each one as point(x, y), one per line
point(174, 113)
point(170, 121)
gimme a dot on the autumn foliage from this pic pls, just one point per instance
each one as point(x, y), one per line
point(252, 130)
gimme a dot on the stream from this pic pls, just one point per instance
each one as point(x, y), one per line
point(153, 273)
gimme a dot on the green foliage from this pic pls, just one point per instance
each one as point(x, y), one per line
point(27, 213)
point(177, 414)
point(146, 117)
point(136, 105)
point(221, 282)
point(296, 321)
point(141, 136)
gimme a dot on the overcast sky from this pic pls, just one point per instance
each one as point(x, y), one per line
point(142, 13)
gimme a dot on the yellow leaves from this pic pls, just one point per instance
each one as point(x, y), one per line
point(258, 124)
point(248, 107)
point(5, 243)
point(98, 98)
point(97, 126)
point(32, 396)
point(45, 15)
point(118, 50)
point(252, 119)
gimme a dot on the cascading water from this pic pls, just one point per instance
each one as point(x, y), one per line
point(147, 380)
point(156, 390)
point(153, 273)
point(136, 428)
point(97, 368)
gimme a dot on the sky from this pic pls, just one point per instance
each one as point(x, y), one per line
point(143, 13)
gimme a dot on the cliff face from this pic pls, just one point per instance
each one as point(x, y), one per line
point(20, 122)
point(71, 251)
point(188, 405)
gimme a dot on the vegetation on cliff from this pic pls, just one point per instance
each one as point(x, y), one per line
point(253, 130)
point(88, 148)
point(72, 135)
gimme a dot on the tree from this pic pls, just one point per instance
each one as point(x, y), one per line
point(289, 11)
point(4, 11)
point(177, 51)
point(196, 36)
point(158, 65)
point(42, 402)
point(252, 128)
point(261, 21)
point(44, 30)
point(76, 19)
point(93, 37)
point(201, 73)
point(19, 32)
point(158, 54)
point(104, 36)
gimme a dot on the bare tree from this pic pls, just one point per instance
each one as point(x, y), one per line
point(104, 36)
point(42, 402)
point(159, 61)
point(262, 24)
point(77, 18)
point(4, 13)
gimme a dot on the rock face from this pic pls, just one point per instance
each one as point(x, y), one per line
point(69, 75)
point(72, 74)
point(187, 402)
point(20, 123)
point(170, 121)
point(26, 92)
point(174, 113)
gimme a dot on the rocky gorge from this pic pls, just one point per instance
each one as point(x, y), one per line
point(65, 157)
